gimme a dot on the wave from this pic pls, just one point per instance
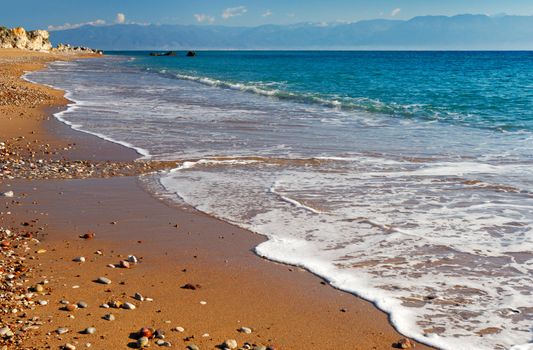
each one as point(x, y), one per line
point(418, 111)
point(144, 153)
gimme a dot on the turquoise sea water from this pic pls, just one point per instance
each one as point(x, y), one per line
point(403, 177)
point(480, 89)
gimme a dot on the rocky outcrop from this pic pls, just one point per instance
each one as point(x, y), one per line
point(19, 38)
point(75, 49)
point(36, 40)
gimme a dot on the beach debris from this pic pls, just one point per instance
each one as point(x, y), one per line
point(103, 280)
point(245, 330)
point(191, 286)
point(405, 343)
point(89, 330)
point(230, 344)
point(88, 235)
point(8, 194)
point(80, 259)
point(109, 317)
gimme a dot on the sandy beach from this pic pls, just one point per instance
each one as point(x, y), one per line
point(171, 268)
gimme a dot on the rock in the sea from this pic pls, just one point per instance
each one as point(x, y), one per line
point(191, 54)
point(231, 344)
point(103, 280)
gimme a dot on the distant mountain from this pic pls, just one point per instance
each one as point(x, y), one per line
point(461, 32)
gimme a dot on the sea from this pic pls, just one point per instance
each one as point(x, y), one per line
point(405, 178)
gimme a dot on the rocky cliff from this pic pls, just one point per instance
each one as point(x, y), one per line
point(19, 38)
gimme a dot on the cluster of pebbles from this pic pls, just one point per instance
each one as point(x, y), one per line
point(19, 160)
point(16, 298)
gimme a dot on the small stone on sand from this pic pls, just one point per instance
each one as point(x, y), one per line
point(103, 280)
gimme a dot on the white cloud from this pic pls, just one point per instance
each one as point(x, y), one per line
point(121, 18)
point(395, 11)
point(98, 22)
point(201, 18)
point(234, 12)
point(267, 13)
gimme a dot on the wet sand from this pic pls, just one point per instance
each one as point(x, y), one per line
point(286, 307)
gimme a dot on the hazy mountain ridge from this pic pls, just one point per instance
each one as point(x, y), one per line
point(425, 32)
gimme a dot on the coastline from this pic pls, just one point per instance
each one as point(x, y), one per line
point(286, 307)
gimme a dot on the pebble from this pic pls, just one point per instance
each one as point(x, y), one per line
point(231, 344)
point(180, 329)
point(6, 332)
point(61, 331)
point(90, 330)
point(142, 342)
point(138, 296)
point(245, 330)
point(8, 194)
point(163, 343)
point(124, 264)
point(159, 334)
point(133, 259)
point(405, 343)
point(82, 305)
point(104, 306)
point(193, 347)
point(103, 280)
point(70, 307)
point(129, 306)
point(42, 302)
point(203, 302)
point(80, 259)
point(39, 288)
point(69, 347)
point(109, 317)
point(260, 347)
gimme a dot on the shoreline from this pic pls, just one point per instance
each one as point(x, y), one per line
point(284, 305)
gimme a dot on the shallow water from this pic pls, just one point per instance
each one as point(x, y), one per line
point(423, 205)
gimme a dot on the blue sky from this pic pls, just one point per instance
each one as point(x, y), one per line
point(60, 13)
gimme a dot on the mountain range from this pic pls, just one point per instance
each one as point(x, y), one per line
point(461, 32)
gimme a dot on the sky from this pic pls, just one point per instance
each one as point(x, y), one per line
point(59, 14)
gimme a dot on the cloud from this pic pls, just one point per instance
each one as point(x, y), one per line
point(234, 12)
point(267, 13)
point(98, 22)
point(395, 11)
point(121, 18)
point(201, 18)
